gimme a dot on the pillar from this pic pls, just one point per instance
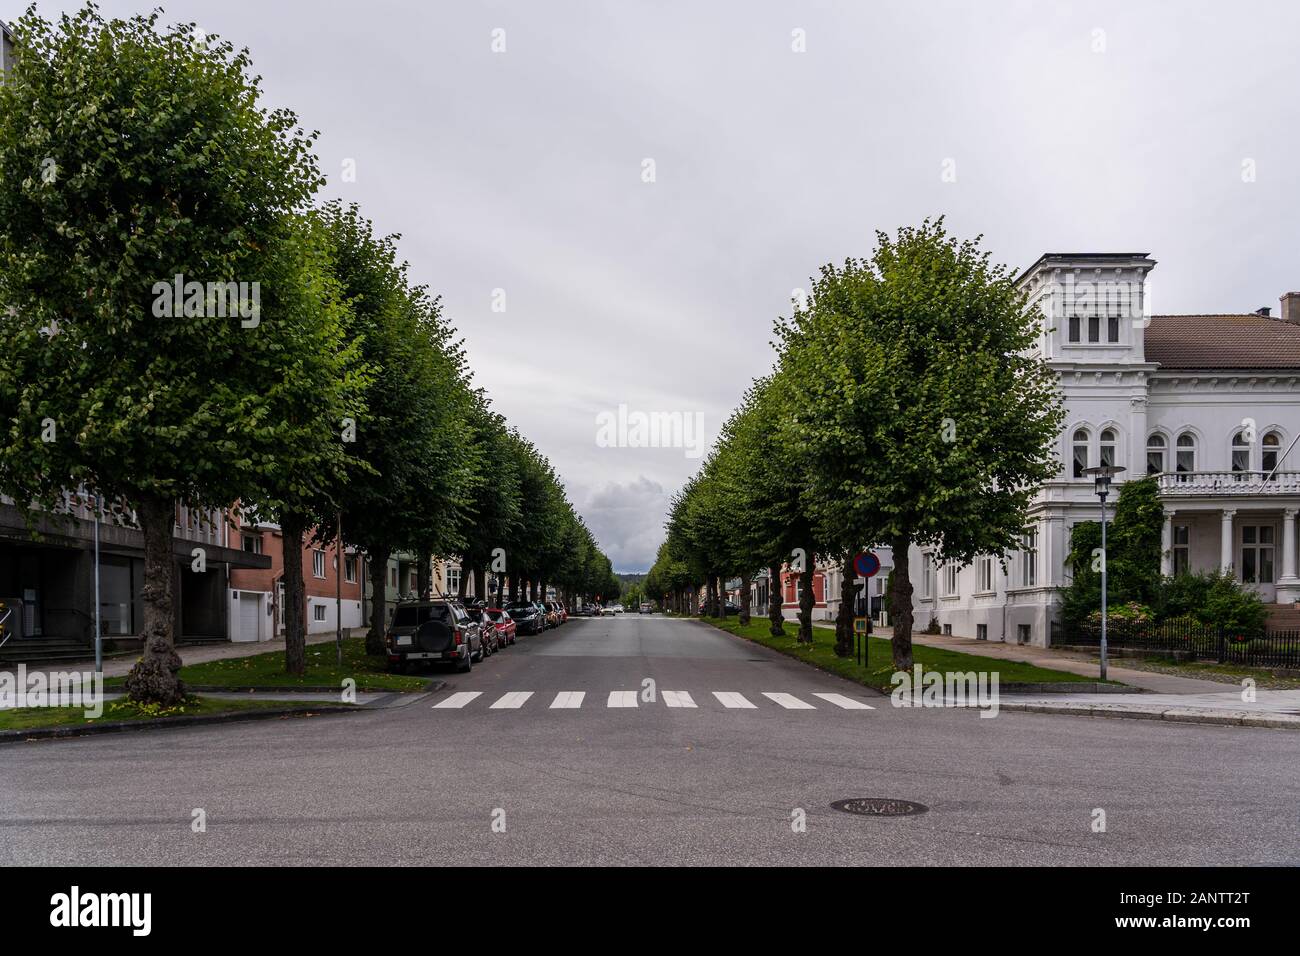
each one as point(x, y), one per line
point(1226, 540)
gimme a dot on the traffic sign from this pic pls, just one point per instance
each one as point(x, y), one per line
point(866, 564)
point(860, 625)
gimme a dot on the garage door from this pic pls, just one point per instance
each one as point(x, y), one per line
point(250, 616)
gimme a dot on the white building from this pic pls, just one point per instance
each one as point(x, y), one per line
point(1208, 403)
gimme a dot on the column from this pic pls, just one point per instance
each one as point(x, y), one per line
point(1167, 545)
point(1226, 541)
point(1288, 585)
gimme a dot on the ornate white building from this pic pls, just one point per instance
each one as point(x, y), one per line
point(1208, 403)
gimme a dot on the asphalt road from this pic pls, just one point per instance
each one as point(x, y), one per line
point(653, 783)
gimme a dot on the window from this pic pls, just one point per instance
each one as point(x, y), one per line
point(984, 567)
point(1074, 327)
point(350, 568)
point(1268, 460)
point(1257, 554)
point(927, 576)
point(1182, 548)
point(1094, 328)
point(1240, 455)
point(1155, 454)
point(318, 563)
point(950, 580)
point(253, 543)
point(1029, 560)
point(318, 612)
point(1112, 328)
point(947, 630)
point(1185, 455)
point(1080, 452)
point(1107, 447)
point(981, 632)
point(1023, 634)
point(453, 580)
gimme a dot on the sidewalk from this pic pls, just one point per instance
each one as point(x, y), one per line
point(1271, 708)
point(1073, 662)
point(201, 653)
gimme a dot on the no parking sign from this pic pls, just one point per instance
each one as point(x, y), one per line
point(866, 564)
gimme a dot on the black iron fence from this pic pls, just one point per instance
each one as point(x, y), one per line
point(1198, 641)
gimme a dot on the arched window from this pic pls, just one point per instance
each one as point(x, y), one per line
point(1240, 453)
point(1185, 454)
point(1080, 452)
point(1107, 447)
point(1155, 454)
point(1268, 461)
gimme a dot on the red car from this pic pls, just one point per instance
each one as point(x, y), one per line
point(504, 625)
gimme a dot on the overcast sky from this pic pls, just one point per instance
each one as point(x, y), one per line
point(1070, 127)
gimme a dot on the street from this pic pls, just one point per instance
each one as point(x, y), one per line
point(555, 753)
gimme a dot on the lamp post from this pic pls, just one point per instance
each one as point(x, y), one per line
point(1102, 475)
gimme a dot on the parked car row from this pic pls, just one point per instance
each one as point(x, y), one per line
point(445, 631)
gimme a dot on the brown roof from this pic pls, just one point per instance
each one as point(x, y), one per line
point(1222, 341)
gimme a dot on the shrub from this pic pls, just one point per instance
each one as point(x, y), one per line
point(1232, 607)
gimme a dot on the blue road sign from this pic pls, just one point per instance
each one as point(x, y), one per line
point(866, 564)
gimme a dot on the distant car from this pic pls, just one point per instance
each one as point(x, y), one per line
point(434, 632)
point(527, 617)
point(647, 608)
point(552, 613)
point(607, 611)
point(487, 630)
point(616, 608)
point(507, 630)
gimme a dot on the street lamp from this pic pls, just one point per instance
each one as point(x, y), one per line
point(1102, 475)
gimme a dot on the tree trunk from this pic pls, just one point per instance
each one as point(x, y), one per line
point(480, 584)
point(844, 620)
point(293, 527)
point(153, 679)
point(541, 589)
point(900, 605)
point(514, 589)
point(378, 604)
point(423, 575)
point(775, 598)
point(807, 598)
point(744, 599)
point(462, 586)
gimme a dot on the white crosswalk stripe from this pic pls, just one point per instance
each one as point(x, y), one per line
point(511, 701)
point(732, 700)
point(622, 698)
point(568, 700)
point(789, 701)
point(458, 699)
point(678, 698)
point(848, 703)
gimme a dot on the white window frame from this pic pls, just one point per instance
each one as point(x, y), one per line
point(950, 579)
point(1029, 559)
point(984, 568)
point(318, 613)
point(350, 568)
point(927, 576)
point(318, 563)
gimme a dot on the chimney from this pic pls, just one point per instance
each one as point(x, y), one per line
point(1291, 308)
point(1264, 312)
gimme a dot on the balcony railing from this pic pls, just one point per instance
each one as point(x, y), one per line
point(1229, 483)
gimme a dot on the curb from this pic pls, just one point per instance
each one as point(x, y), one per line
point(162, 723)
point(302, 689)
point(1181, 715)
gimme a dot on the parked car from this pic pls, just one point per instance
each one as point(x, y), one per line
point(433, 632)
point(507, 630)
point(487, 630)
point(552, 613)
point(647, 608)
point(527, 617)
point(616, 608)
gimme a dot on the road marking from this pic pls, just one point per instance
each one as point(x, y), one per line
point(458, 699)
point(848, 703)
point(511, 701)
point(789, 701)
point(622, 698)
point(568, 700)
point(729, 698)
point(678, 698)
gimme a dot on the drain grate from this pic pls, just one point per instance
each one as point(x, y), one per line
point(879, 807)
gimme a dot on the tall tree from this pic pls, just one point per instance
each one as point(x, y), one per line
point(131, 155)
point(924, 416)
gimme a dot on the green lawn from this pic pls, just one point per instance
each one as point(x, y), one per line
point(821, 653)
point(31, 718)
point(267, 670)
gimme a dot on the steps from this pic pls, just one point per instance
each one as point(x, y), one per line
point(49, 650)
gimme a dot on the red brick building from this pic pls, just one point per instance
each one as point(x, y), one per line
point(257, 596)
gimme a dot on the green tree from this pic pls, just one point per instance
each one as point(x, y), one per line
point(922, 415)
point(129, 155)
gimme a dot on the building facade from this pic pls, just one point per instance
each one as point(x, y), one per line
point(1207, 404)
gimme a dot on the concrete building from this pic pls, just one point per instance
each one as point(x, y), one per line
point(1208, 404)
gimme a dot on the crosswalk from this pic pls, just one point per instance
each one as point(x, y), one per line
point(676, 699)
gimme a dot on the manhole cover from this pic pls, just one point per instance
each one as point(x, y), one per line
point(879, 807)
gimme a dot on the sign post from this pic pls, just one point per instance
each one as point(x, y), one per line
point(867, 565)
